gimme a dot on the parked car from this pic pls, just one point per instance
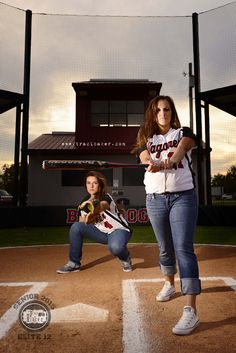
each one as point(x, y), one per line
point(227, 197)
point(5, 197)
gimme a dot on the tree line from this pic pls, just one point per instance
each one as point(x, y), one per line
point(7, 175)
point(227, 181)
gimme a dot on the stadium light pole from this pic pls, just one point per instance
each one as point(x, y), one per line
point(196, 59)
point(25, 120)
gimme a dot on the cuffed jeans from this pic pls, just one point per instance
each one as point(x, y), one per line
point(117, 240)
point(173, 218)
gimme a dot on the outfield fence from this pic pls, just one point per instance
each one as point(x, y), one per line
point(61, 216)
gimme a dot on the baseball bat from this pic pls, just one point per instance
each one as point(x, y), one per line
point(86, 165)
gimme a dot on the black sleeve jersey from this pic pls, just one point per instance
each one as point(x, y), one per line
point(187, 132)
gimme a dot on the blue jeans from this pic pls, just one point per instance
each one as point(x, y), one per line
point(117, 240)
point(173, 218)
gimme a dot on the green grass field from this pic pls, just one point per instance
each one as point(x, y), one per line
point(141, 234)
point(227, 203)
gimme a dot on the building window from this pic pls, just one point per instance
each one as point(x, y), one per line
point(117, 113)
point(77, 177)
point(133, 177)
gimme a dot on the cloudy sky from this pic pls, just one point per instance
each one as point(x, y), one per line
point(155, 43)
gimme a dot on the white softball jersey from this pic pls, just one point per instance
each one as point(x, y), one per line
point(162, 147)
point(110, 220)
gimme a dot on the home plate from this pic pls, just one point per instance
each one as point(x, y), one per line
point(79, 312)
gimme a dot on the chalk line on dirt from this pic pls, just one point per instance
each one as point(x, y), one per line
point(134, 338)
point(11, 315)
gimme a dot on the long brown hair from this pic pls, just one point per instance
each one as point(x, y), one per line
point(101, 181)
point(150, 126)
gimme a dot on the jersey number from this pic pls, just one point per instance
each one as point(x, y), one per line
point(108, 225)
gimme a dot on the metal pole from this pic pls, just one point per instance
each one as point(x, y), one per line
point(190, 95)
point(198, 106)
point(208, 158)
point(16, 155)
point(25, 122)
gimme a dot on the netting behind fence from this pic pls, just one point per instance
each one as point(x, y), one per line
point(77, 48)
point(217, 33)
point(68, 49)
point(12, 34)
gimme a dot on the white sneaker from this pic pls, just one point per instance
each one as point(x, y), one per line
point(166, 293)
point(187, 323)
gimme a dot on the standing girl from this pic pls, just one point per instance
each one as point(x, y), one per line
point(171, 202)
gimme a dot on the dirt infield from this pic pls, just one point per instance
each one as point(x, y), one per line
point(101, 309)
